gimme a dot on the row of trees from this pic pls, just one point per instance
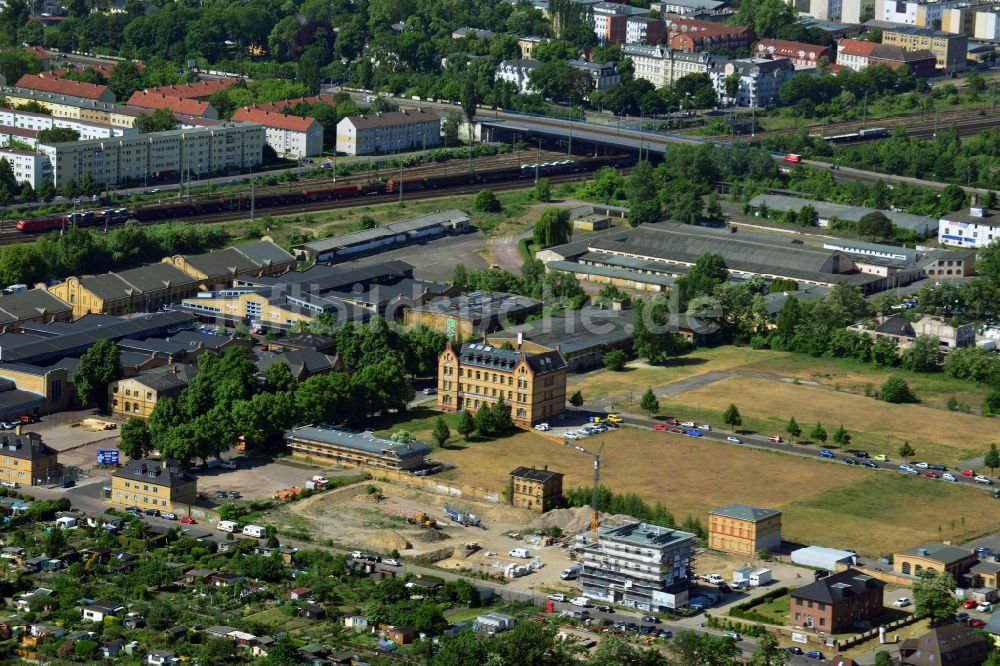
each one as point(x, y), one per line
point(556, 289)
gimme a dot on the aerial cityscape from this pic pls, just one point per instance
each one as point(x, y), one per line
point(501, 332)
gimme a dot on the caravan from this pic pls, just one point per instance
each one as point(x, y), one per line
point(227, 526)
point(255, 531)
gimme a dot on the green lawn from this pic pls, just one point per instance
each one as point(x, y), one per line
point(776, 609)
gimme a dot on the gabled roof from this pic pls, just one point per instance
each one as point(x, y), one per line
point(205, 88)
point(745, 512)
point(62, 86)
point(155, 472)
point(789, 49)
point(899, 54)
point(244, 258)
point(954, 644)
point(939, 552)
point(170, 377)
point(29, 304)
point(393, 118)
point(154, 100)
point(267, 118)
point(838, 586)
point(855, 47)
point(153, 277)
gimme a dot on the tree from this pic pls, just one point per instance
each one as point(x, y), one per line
point(54, 542)
point(649, 403)
point(99, 366)
point(896, 390)
point(731, 417)
point(279, 378)
point(875, 226)
point(460, 276)
point(441, 433)
point(543, 190)
point(136, 440)
point(922, 355)
point(615, 360)
point(818, 433)
point(466, 424)
point(485, 420)
point(552, 228)
point(906, 451)
point(503, 423)
point(934, 596)
point(576, 399)
point(46, 190)
point(883, 659)
point(992, 459)
point(428, 619)
point(793, 429)
point(160, 120)
point(885, 352)
point(841, 437)
point(769, 652)
point(487, 202)
point(125, 79)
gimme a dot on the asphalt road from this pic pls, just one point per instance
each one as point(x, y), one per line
point(433, 260)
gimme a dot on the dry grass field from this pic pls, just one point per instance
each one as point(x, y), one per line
point(766, 404)
point(824, 502)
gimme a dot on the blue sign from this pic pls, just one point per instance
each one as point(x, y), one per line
point(107, 456)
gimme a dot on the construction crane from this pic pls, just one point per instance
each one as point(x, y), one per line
point(595, 517)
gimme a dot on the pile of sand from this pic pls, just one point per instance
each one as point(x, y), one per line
point(387, 540)
point(571, 521)
point(429, 535)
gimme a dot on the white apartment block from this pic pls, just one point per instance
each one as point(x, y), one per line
point(856, 11)
point(181, 152)
point(391, 132)
point(28, 166)
point(662, 65)
point(760, 80)
point(289, 136)
point(40, 121)
point(920, 13)
point(603, 75)
point(640, 566)
point(824, 10)
point(986, 25)
point(517, 71)
point(977, 227)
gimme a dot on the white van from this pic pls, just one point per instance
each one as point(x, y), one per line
point(581, 601)
point(519, 552)
point(227, 526)
point(255, 531)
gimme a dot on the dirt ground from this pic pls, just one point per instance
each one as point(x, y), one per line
point(824, 503)
point(879, 427)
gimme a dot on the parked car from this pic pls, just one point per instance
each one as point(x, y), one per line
point(542, 427)
point(358, 555)
point(814, 654)
point(659, 426)
point(188, 521)
point(968, 472)
point(10, 484)
point(614, 418)
point(793, 650)
point(6, 425)
point(705, 427)
point(228, 464)
point(970, 603)
point(977, 623)
point(931, 475)
point(948, 477)
point(27, 419)
point(571, 435)
point(134, 511)
point(233, 494)
point(881, 458)
point(961, 617)
point(985, 607)
point(673, 422)
point(983, 480)
point(858, 453)
point(167, 515)
point(775, 439)
point(734, 635)
point(908, 469)
point(152, 512)
point(688, 424)
point(677, 430)
point(429, 391)
point(220, 494)
point(691, 432)
point(996, 494)
point(725, 589)
point(921, 465)
point(734, 440)
point(939, 468)
point(902, 602)
point(651, 618)
point(556, 597)
point(824, 453)
point(603, 609)
point(869, 463)
point(851, 461)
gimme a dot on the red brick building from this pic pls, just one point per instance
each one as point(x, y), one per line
point(695, 35)
point(801, 54)
point(923, 64)
point(837, 602)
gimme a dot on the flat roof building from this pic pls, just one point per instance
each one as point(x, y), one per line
point(387, 236)
point(825, 211)
point(463, 317)
point(638, 565)
point(353, 447)
point(975, 227)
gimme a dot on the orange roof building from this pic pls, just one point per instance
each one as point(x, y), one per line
point(148, 99)
point(200, 90)
point(291, 136)
point(695, 35)
point(51, 84)
point(802, 55)
point(854, 53)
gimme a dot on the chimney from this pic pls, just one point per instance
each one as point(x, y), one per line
point(520, 339)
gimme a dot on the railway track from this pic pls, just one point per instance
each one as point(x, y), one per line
point(334, 204)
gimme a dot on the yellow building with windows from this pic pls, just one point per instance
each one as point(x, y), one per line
point(535, 489)
point(533, 384)
point(936, 557)
point(138, 395)
point(27, 460)
point(949, 50)
point(153, 484)
point(143, 289)
point(744, 529)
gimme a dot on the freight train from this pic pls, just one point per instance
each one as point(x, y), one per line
point(184, 209)
point(861, 135)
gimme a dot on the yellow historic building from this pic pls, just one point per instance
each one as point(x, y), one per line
point(153, 484)
point(535, 489)
point(533, 384)
point(744, 529)
point(138, 290)
point(27, 460)
point(219, 269)
point(138, 395)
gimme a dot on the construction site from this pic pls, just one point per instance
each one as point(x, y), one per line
point(492, 540)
